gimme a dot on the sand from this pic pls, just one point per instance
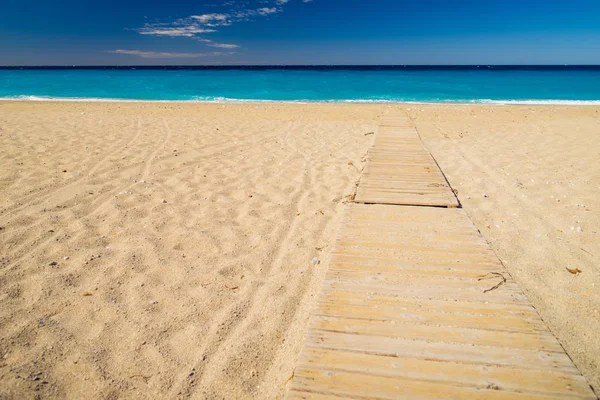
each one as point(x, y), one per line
point(167, 250)
point(190, 232)
point(529, 178)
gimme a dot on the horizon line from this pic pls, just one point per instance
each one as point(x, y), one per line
point(292, 65)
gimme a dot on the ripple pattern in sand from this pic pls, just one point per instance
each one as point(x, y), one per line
point(183, 237)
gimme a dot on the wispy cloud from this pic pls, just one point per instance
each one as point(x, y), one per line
point(223, 45)
point(158, 54)
point(267, 10)
point(213, 19)
point(196, 26)
point(173, 30)
point(218, 45)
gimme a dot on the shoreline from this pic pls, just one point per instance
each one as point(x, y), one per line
point(483, 102)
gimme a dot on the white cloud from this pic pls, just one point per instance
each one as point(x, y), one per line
point(218, 45)
point(173, 31)
point(243, 15)
point(195, 25)
point(267, 10)
point(159, 54)
point(223, 45)
point(213, 19)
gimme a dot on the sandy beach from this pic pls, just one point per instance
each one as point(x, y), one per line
point(173, 250)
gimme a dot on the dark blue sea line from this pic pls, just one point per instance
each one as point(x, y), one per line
point(318, 67)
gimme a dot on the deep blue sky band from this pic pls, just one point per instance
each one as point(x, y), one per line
point(265, 32)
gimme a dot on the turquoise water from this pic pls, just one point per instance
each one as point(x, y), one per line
point(324, 84)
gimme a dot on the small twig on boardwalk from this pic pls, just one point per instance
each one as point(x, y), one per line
point(290, 378)
point(492, 275)
point(369, 133)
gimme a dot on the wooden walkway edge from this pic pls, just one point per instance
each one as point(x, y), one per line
point(416, 305)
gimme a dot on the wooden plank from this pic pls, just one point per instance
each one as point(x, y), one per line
point(391, 314)
point(353, 271)
point(401, 132)
point(428, 305)
point(448, 306)
point(425, 292)
point(441, 351)
point(481, 336)
point(309, 382)
point(422, 256)
point(483, 377)
point(360, 261)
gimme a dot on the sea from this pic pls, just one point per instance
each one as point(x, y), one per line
point(357, 84)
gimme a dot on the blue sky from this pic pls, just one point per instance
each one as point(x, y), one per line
point(126, 32)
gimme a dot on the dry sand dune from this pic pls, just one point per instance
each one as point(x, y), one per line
point(202, 294)
point(184, 234)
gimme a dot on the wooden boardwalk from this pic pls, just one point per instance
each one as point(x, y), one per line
point(416, 305)
point(401, 171)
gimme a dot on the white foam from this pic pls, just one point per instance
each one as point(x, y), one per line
point(210, 99)
point(543, 102)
